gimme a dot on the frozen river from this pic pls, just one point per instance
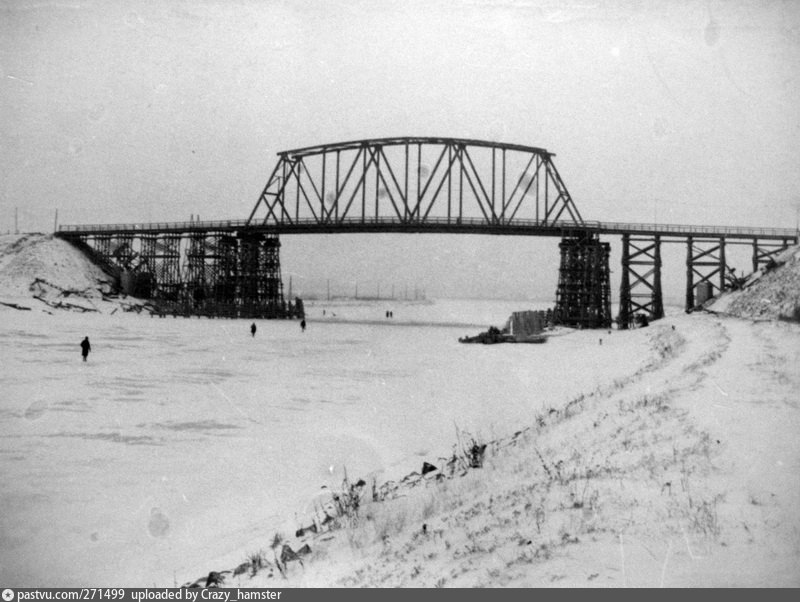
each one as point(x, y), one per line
point(186, 443)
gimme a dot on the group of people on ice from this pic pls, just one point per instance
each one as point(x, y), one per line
point(86, 346)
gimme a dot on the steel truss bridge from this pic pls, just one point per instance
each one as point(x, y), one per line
point(418, 185)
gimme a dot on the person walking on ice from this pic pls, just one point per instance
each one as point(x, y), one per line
point(303, 325)
point(253, 329)
point(85, 347)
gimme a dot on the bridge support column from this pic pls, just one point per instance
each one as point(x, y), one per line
point(160, 256)
point(624, 317)
point(260, 287)
point(196, 273)
point(225, 275)
point(638, 254)
point(689, 277)
point(583, 296)
point(271, 283)
point(705, 259)
point(764, 251)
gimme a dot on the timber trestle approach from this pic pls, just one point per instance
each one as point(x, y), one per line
point(414, 185)
point(208, 273)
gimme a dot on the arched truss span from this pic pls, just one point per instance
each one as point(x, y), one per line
point(413, 183)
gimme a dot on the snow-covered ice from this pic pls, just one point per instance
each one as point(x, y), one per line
point(180, 440)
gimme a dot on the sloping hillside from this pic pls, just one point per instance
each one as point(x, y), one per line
point(771, 293)
point(42, 272)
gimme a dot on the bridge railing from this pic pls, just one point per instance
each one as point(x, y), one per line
point(155, 226)
point(467, 223)
point(691, 229)
point(305, 223)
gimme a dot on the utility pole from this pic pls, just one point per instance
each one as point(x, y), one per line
point(16, 221)
point(290, 286)
point(55, 223)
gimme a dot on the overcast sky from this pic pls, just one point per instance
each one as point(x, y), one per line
point(679, 112)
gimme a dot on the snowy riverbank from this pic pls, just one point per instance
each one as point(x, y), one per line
point(665, 455)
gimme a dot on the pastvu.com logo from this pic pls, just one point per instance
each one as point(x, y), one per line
point(8, 595)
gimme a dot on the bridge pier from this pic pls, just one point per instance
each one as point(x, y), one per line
point(705, 258)
point(260, 285)
point(212, 273)
point(765, 250)
point(638, 254)
point(583, 296)
point(160, 256)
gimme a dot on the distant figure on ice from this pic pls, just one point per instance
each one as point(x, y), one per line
point(85, 347)
point(303, 325)
point(253, 329)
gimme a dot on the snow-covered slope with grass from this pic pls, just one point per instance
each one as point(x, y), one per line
point(772, 292)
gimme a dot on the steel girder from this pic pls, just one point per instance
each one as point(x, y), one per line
point(408, 181)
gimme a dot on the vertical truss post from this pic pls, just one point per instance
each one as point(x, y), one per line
point(689, 276)
point(624, 318)
point(657, 298)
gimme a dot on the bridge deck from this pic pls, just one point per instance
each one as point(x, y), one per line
point(436, 225)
